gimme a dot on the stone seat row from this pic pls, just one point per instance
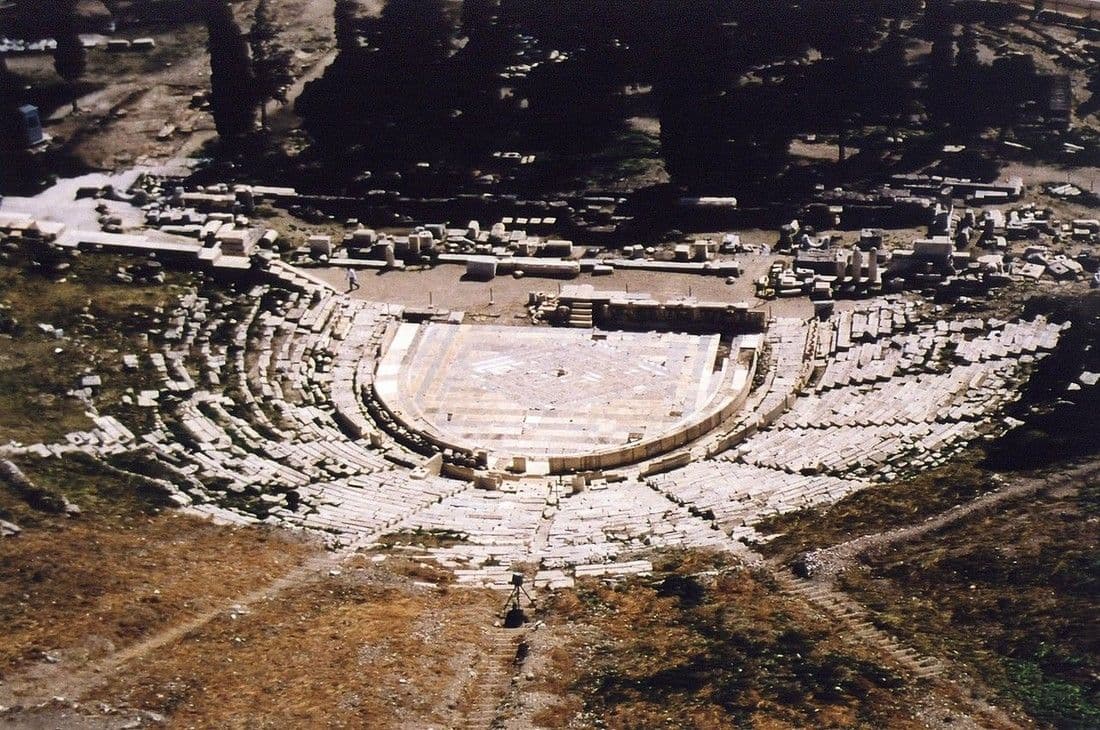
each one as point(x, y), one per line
point(870, 321)
point(499, 529)
point(355, 508)
point(968, 391)
point(599, 525)
point(737, 495)
point(236, 441)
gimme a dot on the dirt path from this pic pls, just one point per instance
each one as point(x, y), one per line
point(830, 562)
point(492, 681)
point(947, 689)
point(45, 683)
point(948, 692)
point(949, 697)
point(946, 680)
point(1079, 8)
point(144, 113)
point(280, 117)
point(301, 21)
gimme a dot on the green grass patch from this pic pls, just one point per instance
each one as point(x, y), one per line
point(101, 320)
point(876, 508)
point(1061, 704)
point(1013, 594)
point(33, 383)
point(628, 155)
point(82, 480)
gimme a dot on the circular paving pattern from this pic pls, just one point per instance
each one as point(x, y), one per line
point(551, 396)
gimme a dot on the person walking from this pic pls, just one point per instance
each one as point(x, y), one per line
point(353, 280)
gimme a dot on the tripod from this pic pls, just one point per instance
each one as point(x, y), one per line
point(514, 616)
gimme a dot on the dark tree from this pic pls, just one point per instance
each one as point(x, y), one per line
point(232, 91)
point(1016, 82)
point(1092, 104)
point(732, 81)
point(846, 31)
point(391, 102)
point(477, 15)
point(735, 81)
point(938, 18)
point(414, 32)
point(270, 61)
point(572, 104)
point(970, 88)
point(840, 27)
point(484, 118)
point(942, 57)
point(7, 79)
point(693, 66)
point(940, 76)
point(344, 21)
point(7, 111)
point(69, 58)
point(890, 76)
point(966, 59)
point(844, 97)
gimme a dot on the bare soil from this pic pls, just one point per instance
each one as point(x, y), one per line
point(363, 648)
point(134, 96)
point(76, 591)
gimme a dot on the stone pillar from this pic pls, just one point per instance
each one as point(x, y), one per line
point(855, 266)
point(578, 484)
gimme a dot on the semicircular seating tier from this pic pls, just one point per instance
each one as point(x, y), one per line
point(262, 408)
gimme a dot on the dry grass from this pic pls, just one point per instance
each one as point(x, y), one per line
point(708, 652)
point(82, 588)
point(876, 509)
point(359, 650)
point(367, 646)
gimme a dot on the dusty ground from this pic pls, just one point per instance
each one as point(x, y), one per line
point(136, 96)
point(445, 286)
point(163, 569)
point(290, 638)
point(176, 632)
point(363, 648)
point(73, 592)
point(1078, 8)
point(129, 613)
